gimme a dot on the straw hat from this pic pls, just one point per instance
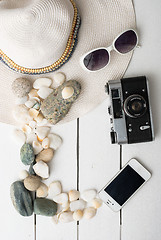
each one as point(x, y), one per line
point(35, 34)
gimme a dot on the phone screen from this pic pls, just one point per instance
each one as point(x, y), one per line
point(124, 185)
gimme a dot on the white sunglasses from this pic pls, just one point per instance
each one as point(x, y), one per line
point(99, 58)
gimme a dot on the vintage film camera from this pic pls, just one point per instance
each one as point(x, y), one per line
point(130, 111)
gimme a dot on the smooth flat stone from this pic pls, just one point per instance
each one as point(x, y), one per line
point(21, 87)
point(27, 154)
point(21, 199)
point(54, 107)
point(45, 207)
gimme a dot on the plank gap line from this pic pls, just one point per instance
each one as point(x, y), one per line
point(77, 154)
point(121, 211)
point(34, 226)
point(77, 169)
point(35, 221)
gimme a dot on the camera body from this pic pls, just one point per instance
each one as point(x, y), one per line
point(130, 111)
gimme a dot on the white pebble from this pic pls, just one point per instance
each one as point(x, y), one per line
point(31, 138)
point(96, 203)
point(66, 206)
point(33, 113)
point(30, 103)
point(39, 118)
point(89, 195)
point(46, 143)
point(42, 132)
point(37, 147)
point(26, 129)
point(55, 219)
point(44, 92)
point(67, 92)
point(55, 141)
point(73, 195)
point(42, 82)
point(19, 135)
point(42, 122)
point(37, 99)
point(41, 169)
point(55, 188)
point(77, 215)
point(42, 191)
point(32, 124)
point(33, 93)
point(89, 212)
point(59, 79)
point(21, 100)
point(23, 174)
point(66, 217)
point(21, 114)
point(77, 205)
point(61, 198)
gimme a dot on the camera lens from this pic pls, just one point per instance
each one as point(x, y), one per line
point(135, 106)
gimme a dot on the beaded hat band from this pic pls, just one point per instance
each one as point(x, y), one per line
point(51, 21)
point(70, 46)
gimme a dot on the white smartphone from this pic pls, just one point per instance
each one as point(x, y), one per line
point(124, 185)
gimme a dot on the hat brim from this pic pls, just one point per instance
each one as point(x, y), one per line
point(101, 22)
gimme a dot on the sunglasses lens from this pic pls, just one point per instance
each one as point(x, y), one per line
point(126, 42)
point(96, 59)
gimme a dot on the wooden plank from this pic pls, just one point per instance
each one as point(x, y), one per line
point(63, 168)
point(141, 216)
point(13, 225)
point(98, 163)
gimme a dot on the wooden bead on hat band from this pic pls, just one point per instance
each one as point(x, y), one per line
point(71, 43)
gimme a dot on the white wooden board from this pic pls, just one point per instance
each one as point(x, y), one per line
point(141, 216)
point(13, 225)
point(63, 168)
point(98, 161)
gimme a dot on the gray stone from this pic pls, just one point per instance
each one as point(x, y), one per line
point(45, 207)
point(21, 87)
point(27, 154)
point(54, 107)
point(31, 170)
point(21, 199)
